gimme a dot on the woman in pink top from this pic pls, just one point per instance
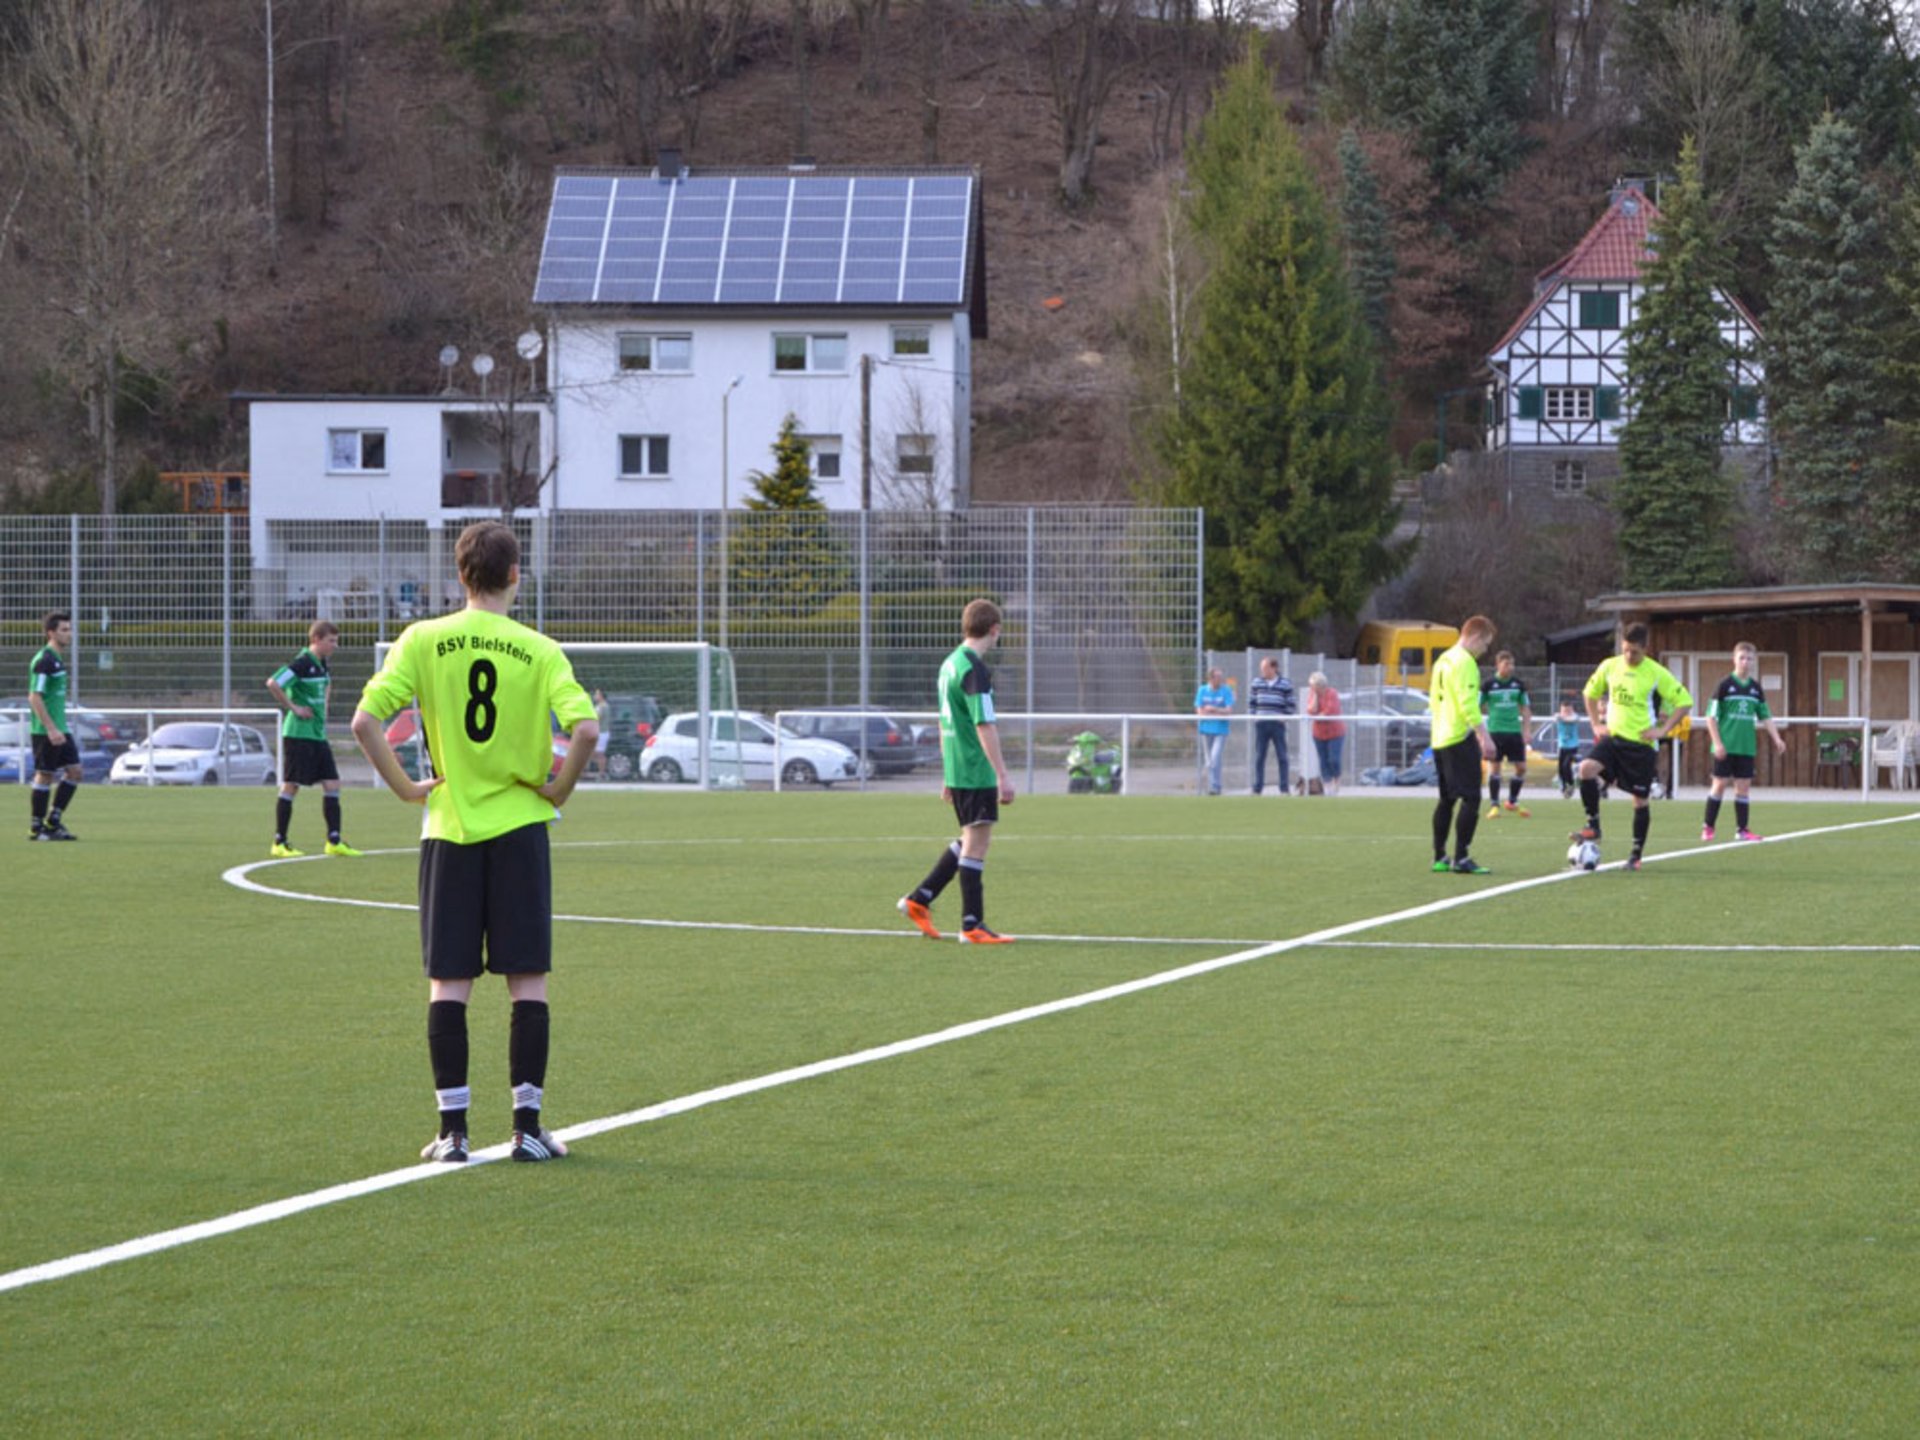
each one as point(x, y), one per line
point(1329, 735)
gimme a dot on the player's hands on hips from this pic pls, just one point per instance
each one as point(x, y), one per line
point(305, 712)
point(553, 792)
point(417, 790)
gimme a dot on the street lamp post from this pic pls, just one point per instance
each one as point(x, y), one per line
point(725, 570)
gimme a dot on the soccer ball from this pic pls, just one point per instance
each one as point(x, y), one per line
point(1583, 855)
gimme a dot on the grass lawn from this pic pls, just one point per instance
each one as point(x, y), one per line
point(1613, 1155)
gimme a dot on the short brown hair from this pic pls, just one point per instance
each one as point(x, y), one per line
point(1635, 634)
point(486, 553)
point(1503, 655)
point(321, 629)
point(1747, 645)
point(54, 620)
point(979, 618)
point(1477, 625)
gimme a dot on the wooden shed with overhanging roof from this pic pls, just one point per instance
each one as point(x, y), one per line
point(1827, 653)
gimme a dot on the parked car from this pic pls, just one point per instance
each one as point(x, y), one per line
point(1404, 736)
point(892, 746)
point(198, 752)
point(16, 754)
point(742, 743)
point(630, 724)
point(113, 734)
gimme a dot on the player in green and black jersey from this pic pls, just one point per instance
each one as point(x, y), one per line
point(1734, 716)
point(1509, 712)
point(1627, 735)
point(301, 685)
point(488, 688)
point(976, 779)
point(54, 748)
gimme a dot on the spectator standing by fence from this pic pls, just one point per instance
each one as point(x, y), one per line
point(1329, 732)
point(1213, 702)
point(1270, 698)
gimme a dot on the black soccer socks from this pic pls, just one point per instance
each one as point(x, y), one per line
point(282, 818)
point(447, 1049)
point(940, 876)
point(330, 808)
point(973, 886)
point(527, 1040)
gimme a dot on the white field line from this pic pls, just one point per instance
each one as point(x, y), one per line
point(392, 1179)
point(1603, 947)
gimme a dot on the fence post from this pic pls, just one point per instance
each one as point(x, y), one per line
point(73, 601)
point(1033, 595)
point(700, 575)
point(381, 632)
point(866, 643)
point(226, 611)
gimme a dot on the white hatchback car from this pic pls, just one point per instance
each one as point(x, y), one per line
point(743, 744)
point(198, 752)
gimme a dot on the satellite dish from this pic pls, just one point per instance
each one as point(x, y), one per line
point(449, 355)
point(529, 345)
point(483, 365)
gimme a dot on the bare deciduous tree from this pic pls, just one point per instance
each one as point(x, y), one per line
point(1707, 86)
point(1086, 44)
point(870, 24)
point(916, 472)
point(121, 139)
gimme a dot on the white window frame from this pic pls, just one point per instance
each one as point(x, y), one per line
point(359, 434)
point(915, 454)
point(1569, 479)
point(911, 357)
point(818, 445)
point(1567, 402)
point(812, 340)
point(653, 365)
point(647, 453)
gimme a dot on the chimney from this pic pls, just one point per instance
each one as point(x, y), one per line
point(670, 164)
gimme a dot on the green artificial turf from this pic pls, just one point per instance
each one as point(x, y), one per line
point(1369, 1188)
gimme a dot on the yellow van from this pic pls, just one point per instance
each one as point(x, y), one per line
point(1406, 648)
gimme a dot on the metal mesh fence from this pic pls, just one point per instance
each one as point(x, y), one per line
point(1102, 605)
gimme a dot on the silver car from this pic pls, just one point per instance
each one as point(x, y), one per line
point(198, 752)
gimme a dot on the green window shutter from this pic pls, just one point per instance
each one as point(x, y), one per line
point(1746, 403)
point(1606, 402)
point(1530, 398)
point(1599, 310)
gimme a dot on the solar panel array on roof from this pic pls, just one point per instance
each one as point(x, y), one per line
point(757, 240)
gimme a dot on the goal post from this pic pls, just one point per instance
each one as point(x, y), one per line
point(664, 705)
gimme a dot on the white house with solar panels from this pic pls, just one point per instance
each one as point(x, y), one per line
point(684, 315)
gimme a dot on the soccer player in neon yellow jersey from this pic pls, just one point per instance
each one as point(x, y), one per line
point(486, 685)
point(975, 772)
point(1460, 741)
point(1626, 735)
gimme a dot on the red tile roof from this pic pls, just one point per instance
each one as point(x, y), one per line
point(1614, 249)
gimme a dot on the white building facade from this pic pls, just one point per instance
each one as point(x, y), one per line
point(685, 315)
point(1560, 391)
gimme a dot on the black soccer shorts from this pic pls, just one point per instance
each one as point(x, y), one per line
point(973, 806)
point(494, 897)
point(49, 757)
point(1733, 767)
point(1509, 745)
point(308, 761)
point(1626, 763)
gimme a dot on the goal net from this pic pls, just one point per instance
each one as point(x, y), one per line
point(663, 709)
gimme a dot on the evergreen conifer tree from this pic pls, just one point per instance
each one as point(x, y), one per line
point(1369, 240)
point(1825, 350)
point(1673, 498)
point(1280, 432)
point(1895, 510)
point(786, 559)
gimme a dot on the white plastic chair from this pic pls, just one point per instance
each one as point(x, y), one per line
point(1897, 748)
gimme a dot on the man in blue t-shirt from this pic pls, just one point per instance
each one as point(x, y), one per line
point(1213, 702)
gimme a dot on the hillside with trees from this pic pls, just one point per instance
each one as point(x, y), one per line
point(222, 196)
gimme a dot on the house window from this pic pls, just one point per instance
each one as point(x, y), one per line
point(913, 342)
point(1569, 478)
point(643, 457)
point(656, 353)
point(810, 354)
point(823, 453)
point(1599, 310)
point(353, 451)
point(1565, 403)
point(914, 454)
point(1529, 401)
point(1606, 402)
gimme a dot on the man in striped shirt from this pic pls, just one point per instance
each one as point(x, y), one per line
point(1269, 698)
